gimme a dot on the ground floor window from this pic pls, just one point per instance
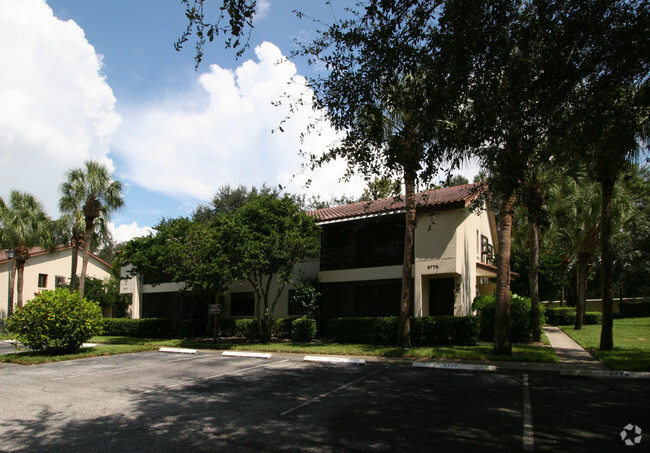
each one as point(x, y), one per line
point(242, 304)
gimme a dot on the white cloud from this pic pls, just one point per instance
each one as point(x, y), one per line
point(56, 109)
point(189, 144)
point(124, 233)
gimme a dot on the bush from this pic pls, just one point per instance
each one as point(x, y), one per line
point(56, 321)
point(430, 331)
point(143, 327)
point(520, 328)
point(303, 330)
point(364, 330)
point(635, 308)
point(282, 328)
point(444, 330)
point(247, 328)
point(566, 316)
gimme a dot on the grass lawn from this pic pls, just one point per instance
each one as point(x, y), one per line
point(631, 343)
point(36, 357)
point(521, 352)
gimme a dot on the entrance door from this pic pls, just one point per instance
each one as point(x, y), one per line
point(441, 297)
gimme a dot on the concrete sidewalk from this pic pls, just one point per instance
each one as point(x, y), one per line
point(571, 354)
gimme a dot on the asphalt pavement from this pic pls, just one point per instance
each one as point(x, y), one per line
point(156, 401)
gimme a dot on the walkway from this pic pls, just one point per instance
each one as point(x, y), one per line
point(571, 354)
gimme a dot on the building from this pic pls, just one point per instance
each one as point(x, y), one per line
point(46, 271)
point(360, 263)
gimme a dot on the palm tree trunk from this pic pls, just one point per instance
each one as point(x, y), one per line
point(12, 285)
point(581, 290)
point(86, 256)
point(73, 266)
point(20, 268)
point(535, 325)
point(607, 328)
point(502, 344)
point(409, 241)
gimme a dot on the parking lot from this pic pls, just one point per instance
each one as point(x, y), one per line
point(206, 402)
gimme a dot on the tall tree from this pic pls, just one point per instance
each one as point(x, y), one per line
point(91, 187)
point(24, 225)
point(608, 117)
point(514, 59)
point(262, 241)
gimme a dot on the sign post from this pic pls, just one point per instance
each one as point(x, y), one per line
point(215, 309)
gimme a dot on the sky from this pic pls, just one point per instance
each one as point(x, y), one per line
point(101, 80)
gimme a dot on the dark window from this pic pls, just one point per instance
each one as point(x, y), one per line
point(60, 281)
point(42, 280)
point(242, 304)
point(441, 297)
point(368, 243)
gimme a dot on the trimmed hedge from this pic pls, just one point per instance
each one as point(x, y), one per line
point(303, 330)
point(444, 331)
point(246, 328)
point(282, 328)
point(520, 329)
point(635, 308)
point(566, 316)
point(143, 327)
point(429, 331)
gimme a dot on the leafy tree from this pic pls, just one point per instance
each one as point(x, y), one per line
point(91, 188)
point(381, 187)
point(227, 199)
point(263, 240)
point(608, 115)
point(106, 293)
point(181, 251)
point(24, 225)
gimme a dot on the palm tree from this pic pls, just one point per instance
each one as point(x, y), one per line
point(89, 196)
point(24, 225)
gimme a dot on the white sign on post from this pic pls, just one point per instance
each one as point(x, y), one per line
point(215, 309)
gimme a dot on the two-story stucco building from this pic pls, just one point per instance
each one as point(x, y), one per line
point(360, 262)
point(46, 271)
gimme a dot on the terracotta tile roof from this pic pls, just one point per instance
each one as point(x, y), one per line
point(446, 198)
point(38, 251)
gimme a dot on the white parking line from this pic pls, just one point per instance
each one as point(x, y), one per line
point(241, 370)
point(323, 395)
point(529, 434)
point(112, 370)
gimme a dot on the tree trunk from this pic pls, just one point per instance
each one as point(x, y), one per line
point(20, 268)
point(607, 328)
point(86, 256)
point(502, 344)
point(12, 284)
point(581, 290)
point(535, 325)
point(73, 265)
point(409, 239)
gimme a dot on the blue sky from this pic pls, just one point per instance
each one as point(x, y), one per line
point(101, 80)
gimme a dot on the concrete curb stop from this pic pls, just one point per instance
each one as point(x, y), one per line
point(179, 350)
point(257, 355)
point(311, 358)
point(454, 366)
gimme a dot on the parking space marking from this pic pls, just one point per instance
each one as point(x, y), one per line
point(323, 395)
point(192, 381)
point(529, 435)
point(129, 367)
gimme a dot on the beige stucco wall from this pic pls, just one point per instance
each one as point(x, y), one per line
point(51, 265)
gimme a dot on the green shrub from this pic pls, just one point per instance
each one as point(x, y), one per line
point(520, 327)
point(195, 328)
point(282, 328)
point(56, 321)
point(379, 331)
point(303, 330)
point(227, 327)
point(142, 327)
point(247, 328)
point(561, 316)
point(444, 330)
point(566, 316)
point(593, 317)
point(430, 331)
point(635, 308)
